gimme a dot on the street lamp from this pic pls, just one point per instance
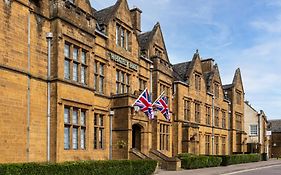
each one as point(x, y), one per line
point(111, 114)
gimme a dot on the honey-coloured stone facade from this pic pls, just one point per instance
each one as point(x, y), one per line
point(100, 62)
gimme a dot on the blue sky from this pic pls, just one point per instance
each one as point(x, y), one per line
point(241, 33)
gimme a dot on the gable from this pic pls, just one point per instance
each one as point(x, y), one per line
point(123, 13)
point(84, 5)
point(195, 70)
point(237, 81)
point(159, 43)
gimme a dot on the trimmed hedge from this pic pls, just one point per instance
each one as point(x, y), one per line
point(189, 161)
point(239, 158)
point(113, 167)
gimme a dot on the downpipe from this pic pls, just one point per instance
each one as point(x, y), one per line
point(49, 37)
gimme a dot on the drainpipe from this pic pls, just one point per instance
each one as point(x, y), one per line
point(213, 120)
point(229, 128)
point(28, 86)
point(111, 114)
point(49, 37)
point(151, 70)
point(259, 132)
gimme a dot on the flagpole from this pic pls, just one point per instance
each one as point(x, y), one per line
point(158, 97)
point(139, 97)
point(151, 70)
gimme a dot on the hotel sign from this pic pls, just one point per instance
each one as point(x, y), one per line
point(123, 61)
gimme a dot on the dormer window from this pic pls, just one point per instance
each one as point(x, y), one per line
point(197, 82)
point(122, 37)
point(216, 90)
point(158, 53)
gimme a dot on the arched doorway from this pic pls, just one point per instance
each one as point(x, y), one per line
point(136, 136)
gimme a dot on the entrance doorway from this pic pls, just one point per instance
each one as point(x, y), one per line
point(136, 136)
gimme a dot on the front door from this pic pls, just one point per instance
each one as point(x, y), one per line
point(136, 142)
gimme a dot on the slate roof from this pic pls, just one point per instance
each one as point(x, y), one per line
point(227, 86)
point(143, 39)
point(103, 16)
point(275, 125)
point(208, 78)
point(180, 71)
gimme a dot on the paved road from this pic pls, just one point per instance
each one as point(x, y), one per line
point(268, 170)
point(272, 166)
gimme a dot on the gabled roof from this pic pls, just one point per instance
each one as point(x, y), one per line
point(180, 71)
point(275, 125)
point(183, 70)
point(103, 16)
point(237, 76)
point(144, 39)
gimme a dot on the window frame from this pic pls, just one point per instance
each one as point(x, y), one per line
point(99, 131)
point(74, 128)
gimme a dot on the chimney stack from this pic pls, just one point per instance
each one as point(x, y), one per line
point(136, 19)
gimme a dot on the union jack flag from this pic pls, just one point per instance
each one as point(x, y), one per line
point(144, 103)
point(161, 104)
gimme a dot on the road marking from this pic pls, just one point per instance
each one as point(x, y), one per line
point(242, 171)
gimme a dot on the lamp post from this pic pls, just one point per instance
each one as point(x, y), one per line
point(111, 114)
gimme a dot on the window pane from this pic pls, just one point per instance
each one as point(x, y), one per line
point(83, 57)
point(122, 77)
point(83, 74)
point(101, 138)
point(122, 37)
point(75, 116)
point(96, 119)
point(66, 115)
point(96, 82)
point(75, 53)
point(75, 72)
point(66, 50)
point(117, 76)
point(95, 138)
point(101, 85)
point(117, 34)
point(117, 88)
point(101, 120)
point(66, 69)
point(127, 41)
point(101, 69)
point(75, 138)
point(66, 137)
point(127, 79)
point(83, 138)
point(82, 118)
point(95, 67)
point(122, 88)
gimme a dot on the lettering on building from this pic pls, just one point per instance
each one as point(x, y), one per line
point(123, 61)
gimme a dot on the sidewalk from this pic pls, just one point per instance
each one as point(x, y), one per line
point(221, 169)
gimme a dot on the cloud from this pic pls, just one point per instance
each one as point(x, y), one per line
point(272, 26)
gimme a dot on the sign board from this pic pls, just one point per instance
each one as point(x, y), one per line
point(268, 133)
point(123, 61)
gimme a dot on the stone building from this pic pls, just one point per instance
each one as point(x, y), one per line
point(275, 140)
point(255, 126)
point(100, 61)
point(235, 93)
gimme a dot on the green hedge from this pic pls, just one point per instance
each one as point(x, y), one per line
point(114, 167)
point(192, 161)
point(239, 158)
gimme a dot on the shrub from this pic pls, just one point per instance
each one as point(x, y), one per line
point(192, 161)
point(239, 158)
point(114, 167)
